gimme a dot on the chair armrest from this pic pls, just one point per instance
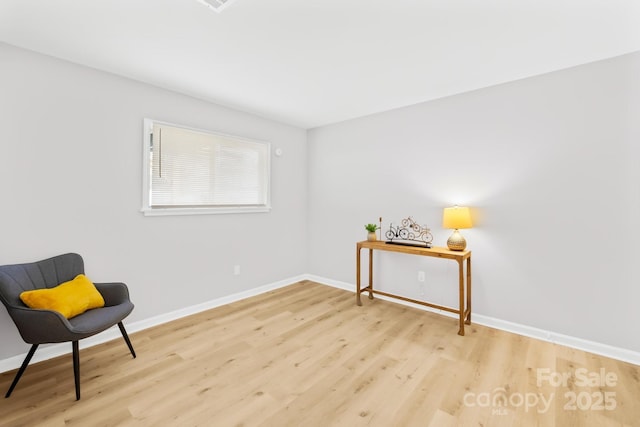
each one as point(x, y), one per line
point(113, 293)
point(40, 326)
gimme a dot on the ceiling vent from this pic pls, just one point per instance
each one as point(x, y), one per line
point(216, 5)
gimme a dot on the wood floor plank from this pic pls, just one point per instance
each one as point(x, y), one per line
point(306, 355)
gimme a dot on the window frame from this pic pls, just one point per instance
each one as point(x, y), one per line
point(149, 210)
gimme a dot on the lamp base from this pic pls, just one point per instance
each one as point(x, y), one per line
point(456, 242)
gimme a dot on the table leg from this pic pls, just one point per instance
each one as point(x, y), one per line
point(461, 295)
point(469, 290)
point(370, 273)
point(358, 302)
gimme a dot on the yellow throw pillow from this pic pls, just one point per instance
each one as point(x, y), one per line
point(69, 298)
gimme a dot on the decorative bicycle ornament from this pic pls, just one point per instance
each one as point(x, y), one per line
point(409, 233)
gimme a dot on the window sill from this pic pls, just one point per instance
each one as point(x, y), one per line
point(204, 211)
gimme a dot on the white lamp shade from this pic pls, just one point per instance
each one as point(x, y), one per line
point(456, 217)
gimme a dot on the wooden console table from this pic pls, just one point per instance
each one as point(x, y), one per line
point(437, 252)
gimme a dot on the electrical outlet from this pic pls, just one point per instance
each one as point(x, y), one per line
point(420, 276)
point(236, 270)
point(422, 289)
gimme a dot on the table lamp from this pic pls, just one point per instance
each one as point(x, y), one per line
point(456, 217)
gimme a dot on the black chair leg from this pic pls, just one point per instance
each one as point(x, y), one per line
point(126, 339)
point(27, 359)
point(76, 367)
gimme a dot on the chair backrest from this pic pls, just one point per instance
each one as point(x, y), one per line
point(48, 273)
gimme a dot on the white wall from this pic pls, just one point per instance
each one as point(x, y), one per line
point(551, 165)
point(70, 180)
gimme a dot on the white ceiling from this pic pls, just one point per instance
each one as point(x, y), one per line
point(315, 62)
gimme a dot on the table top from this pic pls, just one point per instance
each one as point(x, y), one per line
point(436, 251)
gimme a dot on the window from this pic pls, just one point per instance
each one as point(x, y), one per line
point(189, 171)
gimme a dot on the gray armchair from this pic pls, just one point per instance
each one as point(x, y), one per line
point(46, 326)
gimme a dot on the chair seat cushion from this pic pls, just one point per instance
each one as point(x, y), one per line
point(94, 321)
point(69, 299)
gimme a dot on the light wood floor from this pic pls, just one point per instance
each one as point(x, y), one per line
point(306, 355)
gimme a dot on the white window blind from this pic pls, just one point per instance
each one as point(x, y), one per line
point(195, 171)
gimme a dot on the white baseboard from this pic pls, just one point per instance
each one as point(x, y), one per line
point(50, 351)
point(606, 350)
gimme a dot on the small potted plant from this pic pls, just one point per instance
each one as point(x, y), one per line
point(371, 235)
